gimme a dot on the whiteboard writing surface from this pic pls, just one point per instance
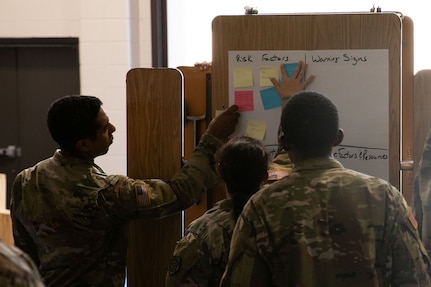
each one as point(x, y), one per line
point(357, 80)
point(327, 32)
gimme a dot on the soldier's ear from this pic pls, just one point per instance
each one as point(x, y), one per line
point(340, 137)
point(83, 145)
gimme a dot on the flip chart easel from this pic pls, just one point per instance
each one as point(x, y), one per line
point(377, 37)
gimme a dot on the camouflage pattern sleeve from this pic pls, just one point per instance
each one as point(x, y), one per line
point(198, 173)
point(279, 167)
point(245, 268)
point(155, 198)
point(190, 263)
point(408, 252)
point(17, 269)
point(200, 258)
point(22, 239)
point(416, 204)
point(421, 201)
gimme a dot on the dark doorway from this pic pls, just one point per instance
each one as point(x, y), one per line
point(33, 73)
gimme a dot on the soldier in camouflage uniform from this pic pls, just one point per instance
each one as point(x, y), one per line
point(200, 257)
point(281, 165)
point(17, 269)
point(71, 218)
point(323, 224)
point(421, 202)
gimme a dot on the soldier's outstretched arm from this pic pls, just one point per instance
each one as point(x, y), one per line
point(157, 198)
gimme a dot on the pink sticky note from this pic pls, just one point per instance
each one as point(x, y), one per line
point(244, 100)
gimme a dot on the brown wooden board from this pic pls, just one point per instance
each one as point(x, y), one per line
point(6, 229)
point(154, 133)
point(408, 151)
point(195, 98)
point(422, 114)
point(313, 32)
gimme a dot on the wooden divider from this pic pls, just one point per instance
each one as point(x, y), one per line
point(422, 113)
point(310, 32)
point(408, 151)
point(154, 132)
point(6, 228)
point(195, 100)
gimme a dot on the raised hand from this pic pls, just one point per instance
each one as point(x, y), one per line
point(289, 86)
point(224, 124)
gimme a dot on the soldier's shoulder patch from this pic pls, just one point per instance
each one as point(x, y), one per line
point(174, 265)
point(142, 195)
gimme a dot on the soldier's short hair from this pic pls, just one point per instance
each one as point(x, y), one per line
point(72, 118)
point(310, 122)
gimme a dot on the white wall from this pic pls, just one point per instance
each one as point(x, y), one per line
point(190, 22)
point(114, 36)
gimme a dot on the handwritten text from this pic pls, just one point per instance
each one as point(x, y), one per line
point(274, 58)
point(243, 59)
point(364, 154)
point(354, 60)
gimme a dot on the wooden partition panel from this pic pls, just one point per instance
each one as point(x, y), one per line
point(311, 32)
point(154, 132)
point(407, 123)
point(422, 115)
point(195, 89)
point(6, 228)
point(195, 99)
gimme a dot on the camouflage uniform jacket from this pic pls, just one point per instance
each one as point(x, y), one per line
point(421, 202)
point(279, 167)
point(17, 269)
point(71, 218)
point(324, 225)
point(200, 257)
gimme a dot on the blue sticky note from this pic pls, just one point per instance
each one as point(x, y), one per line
point(290, 68)
point(270, 98)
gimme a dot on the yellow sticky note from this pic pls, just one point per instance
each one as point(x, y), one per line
point(218, 112)
point(256, 129)
point(243, 77)
point(265, 75)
